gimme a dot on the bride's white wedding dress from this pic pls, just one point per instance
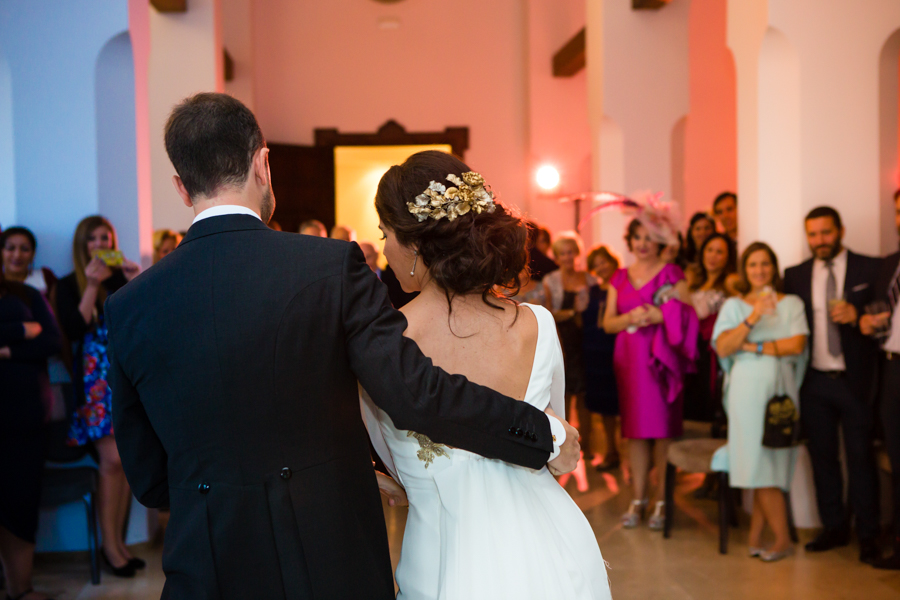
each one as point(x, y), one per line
point(484, 529)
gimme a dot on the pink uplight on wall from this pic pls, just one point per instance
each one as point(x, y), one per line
point(547, 178)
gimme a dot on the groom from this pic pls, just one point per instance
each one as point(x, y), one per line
point(233, 367)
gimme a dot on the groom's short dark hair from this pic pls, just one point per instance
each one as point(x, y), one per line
point(211, 139)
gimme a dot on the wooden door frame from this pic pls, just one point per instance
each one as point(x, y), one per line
point(393, 133)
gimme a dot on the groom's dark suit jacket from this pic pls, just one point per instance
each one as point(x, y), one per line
point(233, 366)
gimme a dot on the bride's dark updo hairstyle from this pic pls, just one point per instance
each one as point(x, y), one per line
point(473, 253)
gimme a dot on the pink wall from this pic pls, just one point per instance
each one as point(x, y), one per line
point(449, 63)
point(559, 132)
point(711, 136)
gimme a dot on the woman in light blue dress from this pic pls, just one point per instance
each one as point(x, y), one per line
point(758, 335)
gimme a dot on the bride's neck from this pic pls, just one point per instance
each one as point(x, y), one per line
point(432, 292)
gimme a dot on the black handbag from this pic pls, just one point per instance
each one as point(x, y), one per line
point(781, 428)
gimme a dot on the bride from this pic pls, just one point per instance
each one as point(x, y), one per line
point(477, 527)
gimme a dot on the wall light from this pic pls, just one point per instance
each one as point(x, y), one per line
point(547, 178)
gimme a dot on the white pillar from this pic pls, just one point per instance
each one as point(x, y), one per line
point(809, 130)
point(186, 58)
point(638, 90)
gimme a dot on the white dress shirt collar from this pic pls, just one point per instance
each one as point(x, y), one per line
point(839, 263)
point(225, 209)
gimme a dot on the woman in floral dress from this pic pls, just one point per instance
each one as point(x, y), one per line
point(80, 300)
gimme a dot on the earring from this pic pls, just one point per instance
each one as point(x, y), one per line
point(413, 271)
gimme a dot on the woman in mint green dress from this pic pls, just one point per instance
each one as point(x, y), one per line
point(756, 335)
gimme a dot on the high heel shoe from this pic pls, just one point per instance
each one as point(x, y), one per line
point(635, 513)
point(658, 518)
point(125, 571)
point(770, 556)
point(137, 563)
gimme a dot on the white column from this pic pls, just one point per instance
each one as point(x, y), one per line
point(809, 129)
point(186, 58)
point(638, 89)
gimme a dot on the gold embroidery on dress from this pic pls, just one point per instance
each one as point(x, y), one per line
point(428, 450)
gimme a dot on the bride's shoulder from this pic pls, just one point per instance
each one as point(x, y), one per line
point(541, 314)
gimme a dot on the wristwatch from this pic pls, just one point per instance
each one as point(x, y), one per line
point(759, 348)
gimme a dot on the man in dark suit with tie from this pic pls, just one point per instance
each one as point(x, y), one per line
point(884, 325)
point(837, 393)
point(233, 366)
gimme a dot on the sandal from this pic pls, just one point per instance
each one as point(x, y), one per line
point(635, 513)
point(658, 519)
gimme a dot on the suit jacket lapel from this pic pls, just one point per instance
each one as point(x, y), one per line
point(806, 270)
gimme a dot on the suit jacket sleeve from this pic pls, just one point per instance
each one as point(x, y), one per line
point(423, 398)
point(143, 457)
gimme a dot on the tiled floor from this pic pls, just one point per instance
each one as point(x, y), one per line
point(643, 565)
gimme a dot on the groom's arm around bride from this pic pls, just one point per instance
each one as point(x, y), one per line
point(233, 368)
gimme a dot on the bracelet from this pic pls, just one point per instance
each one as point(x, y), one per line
point(759, 348)
point(748, 323)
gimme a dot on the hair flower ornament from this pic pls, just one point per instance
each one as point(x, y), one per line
point(468, 193)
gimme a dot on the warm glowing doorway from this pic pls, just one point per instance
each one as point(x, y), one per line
point(357, 170)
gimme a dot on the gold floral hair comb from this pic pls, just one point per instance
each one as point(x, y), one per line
point(440, 201)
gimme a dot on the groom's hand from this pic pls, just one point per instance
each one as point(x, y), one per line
point(569, 452)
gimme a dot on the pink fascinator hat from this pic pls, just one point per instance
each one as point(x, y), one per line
point(659, 217)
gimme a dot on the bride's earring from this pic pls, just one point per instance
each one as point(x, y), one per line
point(412, 271)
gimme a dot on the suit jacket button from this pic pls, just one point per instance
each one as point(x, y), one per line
point(518, 432)
point(531, 436)
point(286, 473)
point(512, 431)
point(203, 488)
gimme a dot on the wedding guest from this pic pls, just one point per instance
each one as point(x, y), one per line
point(18, 246)
point(601, 395)
point(530, 291)
point(886, 331)
point(274, 225)
point(701, 227)
point(313, 227)
point(371, 253)
point(164, 241)
point(725, 211)
point(80, 311)
point(648, 306)
point(760, 338)
point(566, 292)
point(836, 285)
point(28, 336)
point(673, 253)
point(702, 398)
point(341, 232)
point(539, 264)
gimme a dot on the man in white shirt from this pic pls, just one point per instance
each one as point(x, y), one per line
point(836, 396)
point(885, 327)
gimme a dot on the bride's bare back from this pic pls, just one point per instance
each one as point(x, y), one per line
point(490, 346)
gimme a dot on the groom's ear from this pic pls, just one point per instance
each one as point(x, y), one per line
point(182, 191)
point(261, 167)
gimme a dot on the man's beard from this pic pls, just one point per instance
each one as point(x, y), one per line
point(833, 250)
point(267, 206)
